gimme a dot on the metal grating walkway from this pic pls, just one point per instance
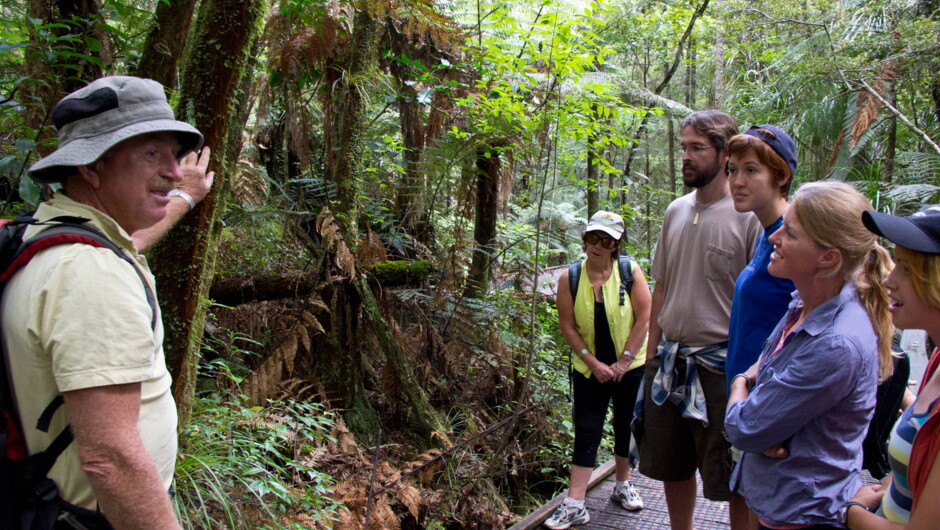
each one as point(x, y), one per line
point(709, 515)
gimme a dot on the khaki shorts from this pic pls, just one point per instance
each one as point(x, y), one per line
point(673, 447)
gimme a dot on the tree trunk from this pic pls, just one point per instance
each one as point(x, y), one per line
point(343, 130)
point(409, 199)
point(935, 94)
point(237, 290)
point(184, 262)
point(344, 120)
point(484, 229)
point(891, 143)
point(671, 131)
point(423, 416)
point(718, 101)
point(592, 182)
point(693, 75)
point(58, 74)
point(166, 41)
point(84, 21)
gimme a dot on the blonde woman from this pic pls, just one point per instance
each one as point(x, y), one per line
point(800, 414)
point(907, 499)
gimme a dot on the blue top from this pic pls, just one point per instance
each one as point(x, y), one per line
point(816, 396)
point(760, 299)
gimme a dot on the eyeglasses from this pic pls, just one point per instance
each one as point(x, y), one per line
point(695, 149)
point(593, 239)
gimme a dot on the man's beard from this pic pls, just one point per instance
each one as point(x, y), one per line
point(701, 176)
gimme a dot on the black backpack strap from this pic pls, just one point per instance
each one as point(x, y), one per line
point(626, 277)
point(574, 278)
point(45, 419)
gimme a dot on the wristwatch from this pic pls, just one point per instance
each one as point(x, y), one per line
point(844, 512)
point(176, 192)
point(583, 352)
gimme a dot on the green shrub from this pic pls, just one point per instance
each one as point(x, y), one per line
point(245, 467)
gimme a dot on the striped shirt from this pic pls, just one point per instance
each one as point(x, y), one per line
point(897, 503)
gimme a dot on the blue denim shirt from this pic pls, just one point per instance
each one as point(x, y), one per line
point(816, 396)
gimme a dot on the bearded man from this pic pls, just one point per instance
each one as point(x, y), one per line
point(703, 246)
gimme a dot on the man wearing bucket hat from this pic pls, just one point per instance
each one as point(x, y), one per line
point(77, 316)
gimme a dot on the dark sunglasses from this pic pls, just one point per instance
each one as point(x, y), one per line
point(592, 239)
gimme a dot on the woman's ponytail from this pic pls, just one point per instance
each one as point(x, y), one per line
point(874, 297)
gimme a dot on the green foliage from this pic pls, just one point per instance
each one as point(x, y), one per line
point(244, 467)
point(255, 241)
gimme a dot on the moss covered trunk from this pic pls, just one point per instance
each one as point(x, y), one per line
point(344, 120)
point(423, 416)
point(184, 262)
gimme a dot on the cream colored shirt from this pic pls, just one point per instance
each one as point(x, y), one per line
point(77, 317)
point(700, 253)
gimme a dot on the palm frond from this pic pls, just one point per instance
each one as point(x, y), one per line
point(911, 197)
point(918, 167)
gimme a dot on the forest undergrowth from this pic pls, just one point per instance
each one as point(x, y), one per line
point(268, 445)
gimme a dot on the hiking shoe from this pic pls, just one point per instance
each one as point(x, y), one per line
point(627, 496)
point(567, 515)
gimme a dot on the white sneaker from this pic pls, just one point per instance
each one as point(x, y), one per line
point(627, 496)
point(567, 515)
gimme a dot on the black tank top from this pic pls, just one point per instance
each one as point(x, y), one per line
point(606, 351)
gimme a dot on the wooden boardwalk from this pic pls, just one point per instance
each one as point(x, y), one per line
point(605, 514)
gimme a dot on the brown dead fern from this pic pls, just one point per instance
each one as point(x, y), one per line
point(343, 260)
point(867, 105)
point(264, 382)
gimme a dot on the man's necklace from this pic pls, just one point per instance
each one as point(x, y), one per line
point(699, 209)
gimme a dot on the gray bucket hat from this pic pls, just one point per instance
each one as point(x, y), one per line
point(108, 111)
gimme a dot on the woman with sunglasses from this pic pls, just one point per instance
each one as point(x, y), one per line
point(908, 497)
point(606, 330)
point(801, 413)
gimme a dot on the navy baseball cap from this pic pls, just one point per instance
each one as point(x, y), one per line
point(920, 232)
point(782, 144)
